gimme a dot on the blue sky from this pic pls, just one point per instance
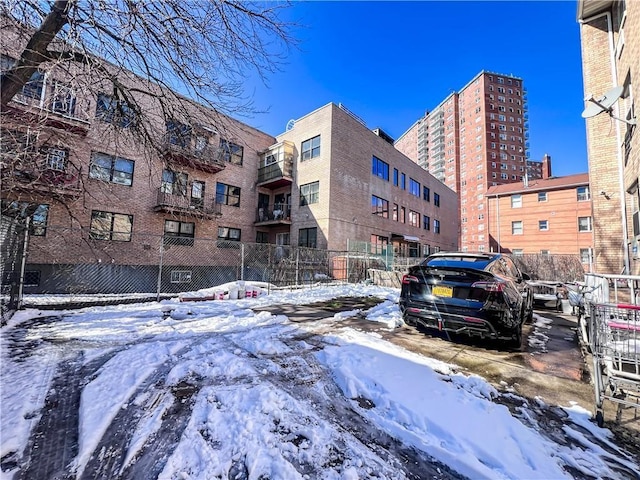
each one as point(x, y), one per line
point(389, 62)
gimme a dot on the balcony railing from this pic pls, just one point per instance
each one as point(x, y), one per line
point(282, 170)
point(203, 157)
point(197, 206)
point(40, 178)
point(275, 213)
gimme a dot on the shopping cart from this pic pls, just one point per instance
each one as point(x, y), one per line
point(579, 296)
point(615, 345)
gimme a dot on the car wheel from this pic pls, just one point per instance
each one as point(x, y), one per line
point(516, 340)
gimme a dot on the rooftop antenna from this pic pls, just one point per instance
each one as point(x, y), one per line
point(605, 104)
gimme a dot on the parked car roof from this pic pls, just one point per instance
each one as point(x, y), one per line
point(475, 260)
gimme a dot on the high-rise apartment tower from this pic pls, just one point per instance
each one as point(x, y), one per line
point(474, 139)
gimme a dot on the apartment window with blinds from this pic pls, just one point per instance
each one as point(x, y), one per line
point(309, 193)
point(311, 148)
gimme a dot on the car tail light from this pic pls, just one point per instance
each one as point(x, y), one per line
point(406, 279)
point(489, 286)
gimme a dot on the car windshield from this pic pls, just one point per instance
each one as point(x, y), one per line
point(475, 262)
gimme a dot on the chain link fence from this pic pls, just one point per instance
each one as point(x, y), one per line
point(68, 268)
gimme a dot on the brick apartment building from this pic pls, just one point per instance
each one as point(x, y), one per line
point(326, 181)
point(472, 140)
point(549, 216)
point(610, 39)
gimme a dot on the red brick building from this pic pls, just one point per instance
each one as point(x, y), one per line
point(548, 216)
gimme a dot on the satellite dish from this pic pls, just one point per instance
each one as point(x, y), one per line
point(602, 104)
point(290, 124)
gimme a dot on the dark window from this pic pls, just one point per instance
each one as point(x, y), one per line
point(178, 134)
point(309, 193)
point(395, 177)
point(227, 233)
point(179, 233)
point(403, 181)
point(111, 226)
point(436, 226)
point(308, 237)
point(436, 199)
point(426, 222)
point(116, 112)
point(231, 152)
point(32, 278)
point(262, 237)
point(227, 194)
point(379, 206)
point(414, 187)
point(64, 100)
point(311, 148)
point(426, 194)
point(34, 86)
point(110, 168)
point(542, 196)
point(174, 183)
point(181, 276)
point(380, 168)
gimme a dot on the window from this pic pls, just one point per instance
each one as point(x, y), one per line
point(64, 100)
point(231, 152)
point(583, 194)
point(178, 133)
point(39, 215)
point(395, 177)
point(436, 226)
point(379, 206)
point(228, 233)
point(543, 225)
point(227, 194)
point(262, 237)
point(542, 196)
point(309, 193)
point(32, 278)
point(379, 244)
point(180, 276)
point(545, 253)
point(516, 201)
point(436, 199)
point(179, 233)
point(403, 181)
point(34, 86)
point(396, 209)
point(380, 168)
point(174, 183)
point(311, 148)
point(110, 168)
point(584, 224)
point(586, 255)
point(516, 227)
point(308, 237)
point(403, 215)
point(426, 194)
point(414, 219)
point(426, 250)
point(518, 252)
point(117, 112)
point(56, 158)
point(414, 187)
point(111, 226)
point(426, 222)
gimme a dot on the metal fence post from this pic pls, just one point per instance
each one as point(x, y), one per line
point(298, 266)
point(242, 261)
point(23, 262)
point(160, 269)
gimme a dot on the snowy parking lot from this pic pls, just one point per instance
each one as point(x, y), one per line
point(218, 389)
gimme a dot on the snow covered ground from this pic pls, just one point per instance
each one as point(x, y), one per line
point(268, 398)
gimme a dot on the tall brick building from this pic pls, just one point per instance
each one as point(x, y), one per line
point(610, 39)
point(472, 140)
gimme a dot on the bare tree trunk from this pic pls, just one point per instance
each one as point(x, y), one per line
point(35, 52)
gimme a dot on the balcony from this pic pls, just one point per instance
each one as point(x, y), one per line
point(40, 179)
point(204, 207)
point(275, 214)
point(50, 105)
point(185, 152)
point(276, 166)
point(276, 175)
